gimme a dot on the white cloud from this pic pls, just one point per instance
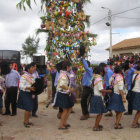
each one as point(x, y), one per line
point(16, 25)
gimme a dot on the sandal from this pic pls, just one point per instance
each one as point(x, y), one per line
point(109, 115)
point(100, 126)
point(136, 126)
point(30, 123)
point(119, 126)
point(97, 129)
point(26, 125)
point(138, 123)
point(67, 125)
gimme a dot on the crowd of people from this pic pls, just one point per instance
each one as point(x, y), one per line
point(119, 77)
point(106, 88)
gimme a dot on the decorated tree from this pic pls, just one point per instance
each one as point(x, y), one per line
point(64, 22)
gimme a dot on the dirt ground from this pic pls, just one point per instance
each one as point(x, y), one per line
point(46, 126)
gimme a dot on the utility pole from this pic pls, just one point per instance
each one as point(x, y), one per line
point(109, 24)
point(110, 19)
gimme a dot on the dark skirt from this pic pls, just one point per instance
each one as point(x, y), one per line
point(25, 101)
point(96, 105)
point(136, 100)
point(116, 103)
point(63, 100)
point(1, 100)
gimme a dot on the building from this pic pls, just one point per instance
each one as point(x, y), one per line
point(126, 47)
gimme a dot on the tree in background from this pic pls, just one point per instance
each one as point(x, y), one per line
point(29, 47)
point(63, 21)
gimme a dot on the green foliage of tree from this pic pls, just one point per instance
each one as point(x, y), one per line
point(22, 4)
point(30, 47)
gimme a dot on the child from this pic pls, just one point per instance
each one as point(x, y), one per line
point(136, 98)
point(62, 98)
point(117, 98)
point(96, 102)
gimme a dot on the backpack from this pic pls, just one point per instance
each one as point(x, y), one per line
point(38, 85)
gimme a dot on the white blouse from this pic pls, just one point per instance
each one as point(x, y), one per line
point(24, 83)
point(63, 80)
point(137, 84)
point(118, 86)
point(98, 87)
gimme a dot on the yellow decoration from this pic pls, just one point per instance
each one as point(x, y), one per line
point(81, 16)
point(52, 5)
point(76, 22)
point(49, 25)
point(62, 22)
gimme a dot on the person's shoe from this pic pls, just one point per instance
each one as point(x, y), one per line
point(67, 125)
point(6, 113)
point(34, 115)
point(84, 117)
point(127, 113)
point(72, 111)
point(109, 114)
point(13, 114)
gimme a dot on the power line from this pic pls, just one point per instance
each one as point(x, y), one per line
point(117, 14)
point(127, 17)
point(99, 20)
point(125, 11)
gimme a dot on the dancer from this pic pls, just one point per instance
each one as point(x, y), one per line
point(96, 102)
point(117, 98)
point(63, 96)
point(25, 100)
point(136, 98)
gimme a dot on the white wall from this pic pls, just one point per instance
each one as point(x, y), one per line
point(134, 51)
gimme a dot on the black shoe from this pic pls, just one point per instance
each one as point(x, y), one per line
point(72, 111)
point(34, 115)
point(127, 113)
point(6, 113)
point(13, 114)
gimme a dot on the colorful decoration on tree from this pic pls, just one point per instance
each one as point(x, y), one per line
point(49, 25)
point(64, 21)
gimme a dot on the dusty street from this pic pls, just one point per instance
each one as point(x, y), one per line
point(46, 127)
